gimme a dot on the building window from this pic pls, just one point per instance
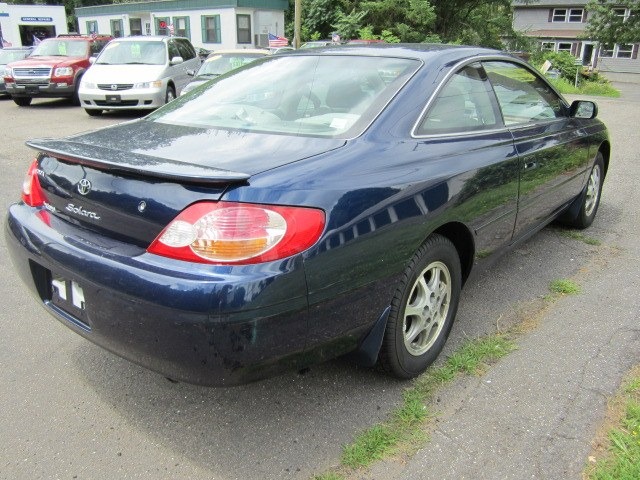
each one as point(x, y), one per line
point(606, 51)
point(92, 27)
point(564, 47)
point(547, 46)
point(572, 15)
point(624, 51)
point(181, 27)
point(162, 25)
point(211, 29)
point(116, 28)
point(243, 26)
point(135, 26)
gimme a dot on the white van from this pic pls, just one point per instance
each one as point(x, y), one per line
point(141, 72)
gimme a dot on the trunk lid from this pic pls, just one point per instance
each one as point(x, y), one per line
point(129, 181)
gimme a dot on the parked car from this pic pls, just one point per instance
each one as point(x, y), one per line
point(140, 72)
point(317, 43)
point(8, 55)
point(303, 207)
point(219, 63)
point(53, 70)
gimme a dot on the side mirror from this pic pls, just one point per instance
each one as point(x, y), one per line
point(583, 109)
point(176, 61)
point(191, 73)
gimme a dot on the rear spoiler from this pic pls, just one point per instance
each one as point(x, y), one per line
point(134, 163)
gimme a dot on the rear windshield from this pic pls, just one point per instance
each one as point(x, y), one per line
point(329, 96)
point(133, 53)
point(62, 48)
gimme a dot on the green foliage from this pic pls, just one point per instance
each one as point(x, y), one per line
point(624, 460)
point(348, 26)
point(609, 28)
point(564, 62)
point(564, 287)
point(389, 37)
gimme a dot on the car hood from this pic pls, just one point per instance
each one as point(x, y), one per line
point(46, 61)
point(123, 73)
point(173, 151)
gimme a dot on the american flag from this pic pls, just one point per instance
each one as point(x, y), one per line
point(276, 41)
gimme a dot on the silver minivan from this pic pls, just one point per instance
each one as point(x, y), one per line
point(141, 72)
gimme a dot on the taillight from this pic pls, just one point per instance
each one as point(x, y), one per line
point(238, 233)
point(31, 190)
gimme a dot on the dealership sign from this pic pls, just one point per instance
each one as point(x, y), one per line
point(36, 19)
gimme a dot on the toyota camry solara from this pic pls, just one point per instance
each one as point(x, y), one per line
point(303, 207)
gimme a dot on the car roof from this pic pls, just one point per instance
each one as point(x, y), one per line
point(420, 51)
point(148, 38)
point(238, 51)
point(17, 48)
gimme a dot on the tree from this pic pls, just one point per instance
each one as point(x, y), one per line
point(609, 22)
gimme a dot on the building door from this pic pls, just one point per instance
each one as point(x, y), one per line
point(587, 53)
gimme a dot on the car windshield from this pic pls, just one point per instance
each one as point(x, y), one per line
point(133, 53)
point(329, 96)
point(8, 56)
point(61, 48)
point(218, 64)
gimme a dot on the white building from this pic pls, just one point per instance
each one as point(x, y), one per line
point(210, 24)
point(19, 24)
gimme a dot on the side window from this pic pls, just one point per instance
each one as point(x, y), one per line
point(173, 50)
point(523, 96)
point(186, 50)
point(464, 104)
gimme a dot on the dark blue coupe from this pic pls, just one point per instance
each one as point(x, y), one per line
point(303, 207)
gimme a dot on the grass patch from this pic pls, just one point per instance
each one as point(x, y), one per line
point(576, 235)
point(585, 88)
point(623, 459)
point(404, 432)
point(564, 287)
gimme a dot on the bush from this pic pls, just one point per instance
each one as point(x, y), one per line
point(564, 62)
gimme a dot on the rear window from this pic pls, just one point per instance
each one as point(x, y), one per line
point(329, 96)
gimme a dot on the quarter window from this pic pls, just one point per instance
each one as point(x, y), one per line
point(243, 24)
point(464, 104)
point(523, 96)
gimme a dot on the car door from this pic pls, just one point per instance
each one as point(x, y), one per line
point(552, 149)
point(463, 131)
point(190, 61)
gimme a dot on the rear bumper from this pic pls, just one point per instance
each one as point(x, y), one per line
point(202, 324)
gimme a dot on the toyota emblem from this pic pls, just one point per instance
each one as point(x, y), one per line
point(84, 186)
point(114, 87)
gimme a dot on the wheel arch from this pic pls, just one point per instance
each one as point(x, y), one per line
point(462, 238)
point(605, 149)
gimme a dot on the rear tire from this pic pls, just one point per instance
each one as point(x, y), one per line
point(422, 310)
point(93, 113)
point(22, 101)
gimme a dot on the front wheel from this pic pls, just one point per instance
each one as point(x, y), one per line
point(22, 101)
point(591, 196)
point(170, 95)
point(422, 310)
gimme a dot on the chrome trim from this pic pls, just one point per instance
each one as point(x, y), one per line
point(469, 61)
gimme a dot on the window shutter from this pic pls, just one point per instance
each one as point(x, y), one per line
point(584, 16)
point(634, 52)
point(218, 33)
point(551, 14)
point(203, 25)
point(187, 27)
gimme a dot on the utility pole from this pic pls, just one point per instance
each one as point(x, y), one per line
point(297, 15)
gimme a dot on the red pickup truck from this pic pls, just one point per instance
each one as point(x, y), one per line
point(54, 68)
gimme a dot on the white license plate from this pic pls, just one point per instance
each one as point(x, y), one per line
point(67, 293)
